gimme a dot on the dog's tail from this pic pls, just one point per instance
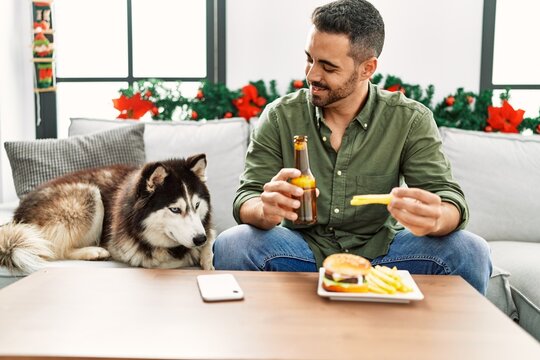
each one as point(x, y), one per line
point(22, 248)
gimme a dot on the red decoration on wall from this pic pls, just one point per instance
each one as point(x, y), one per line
point(43, 46)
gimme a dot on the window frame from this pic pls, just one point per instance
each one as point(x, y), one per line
point(488, 45)
point(46, 104)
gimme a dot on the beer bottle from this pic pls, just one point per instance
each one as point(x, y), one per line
point(307, 212)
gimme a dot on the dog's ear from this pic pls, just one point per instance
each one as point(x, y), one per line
point(197, 164)
point(153, 175)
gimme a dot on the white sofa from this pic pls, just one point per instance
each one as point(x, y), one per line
point(223, 141)
point(500, 175)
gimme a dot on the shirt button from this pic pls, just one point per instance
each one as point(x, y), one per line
point(346, 250)
point(339, 172)
point(336, 210)
point(330, 229)
point(324, 138)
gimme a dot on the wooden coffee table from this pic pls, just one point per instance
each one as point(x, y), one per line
point(138, 313)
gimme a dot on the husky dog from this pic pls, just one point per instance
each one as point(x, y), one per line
point(157, 216)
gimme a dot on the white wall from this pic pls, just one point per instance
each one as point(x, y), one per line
point(16, 83)
point(427, 42)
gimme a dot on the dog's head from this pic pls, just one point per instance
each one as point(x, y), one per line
point(174, 202)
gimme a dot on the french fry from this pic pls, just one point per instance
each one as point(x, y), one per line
point(395, 283)
point(374, 288)
point(383, 280)
point(405, 288)
point(390, 272)
point(371, 279)
point(371, 199)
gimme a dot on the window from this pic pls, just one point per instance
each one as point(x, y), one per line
point(105, 45)
point(510, 52)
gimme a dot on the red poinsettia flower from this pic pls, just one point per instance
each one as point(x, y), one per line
point(249, 105)
point(245, 108)
point(505, 118)
point(260, 101)
point(450, 100)
point(250, 92)
point(228, 115)
point(132, 108)
point(396, 87)
point(538, 129)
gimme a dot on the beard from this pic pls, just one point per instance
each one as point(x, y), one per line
point(333, 95)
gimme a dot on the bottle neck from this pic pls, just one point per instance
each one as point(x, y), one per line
point(301, 160)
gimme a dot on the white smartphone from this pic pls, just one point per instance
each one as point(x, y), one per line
point(219, 287)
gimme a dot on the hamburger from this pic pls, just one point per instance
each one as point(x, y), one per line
point(345, 273)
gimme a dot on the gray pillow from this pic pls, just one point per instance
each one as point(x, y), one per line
point(38, 161)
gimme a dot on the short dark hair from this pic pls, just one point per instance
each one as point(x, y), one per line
point(359, 20)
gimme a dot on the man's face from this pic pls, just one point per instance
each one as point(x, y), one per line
point(330, 71)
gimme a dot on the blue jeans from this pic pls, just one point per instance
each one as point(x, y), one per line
point(245, 247)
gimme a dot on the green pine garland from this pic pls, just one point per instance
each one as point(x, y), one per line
point(213, 101)
point(463, 109)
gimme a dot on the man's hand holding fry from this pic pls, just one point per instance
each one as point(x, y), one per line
point(423, 212)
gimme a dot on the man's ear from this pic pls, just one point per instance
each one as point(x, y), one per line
point(368, 68)
point(197, 164)
point(153, 175)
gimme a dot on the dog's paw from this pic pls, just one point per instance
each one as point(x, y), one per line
point(207, 265)
point(89, 253)
point(207, 260)
point(102, 253)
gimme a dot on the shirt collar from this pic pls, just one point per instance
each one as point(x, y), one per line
point(364, 116)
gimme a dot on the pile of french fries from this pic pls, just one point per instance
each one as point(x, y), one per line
point(383, 280)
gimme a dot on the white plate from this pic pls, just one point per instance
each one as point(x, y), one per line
point(416, 294)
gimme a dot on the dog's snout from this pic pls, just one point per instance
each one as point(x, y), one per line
point(199, 240)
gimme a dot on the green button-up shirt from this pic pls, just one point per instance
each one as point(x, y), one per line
point(392, 140)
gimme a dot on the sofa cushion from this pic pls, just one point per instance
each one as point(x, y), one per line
point(35, 162)
point(522, 261)
point(529, 318)
point(223, 141)
point(499, 174)
point(500, 294)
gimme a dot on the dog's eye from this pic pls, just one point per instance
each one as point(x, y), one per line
point(197, 205)
point(175, 210)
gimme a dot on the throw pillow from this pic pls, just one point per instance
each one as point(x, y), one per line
point(38, 161)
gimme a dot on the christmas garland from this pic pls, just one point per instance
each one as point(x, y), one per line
point(463, 109)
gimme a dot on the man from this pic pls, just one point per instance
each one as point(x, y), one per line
point(361, 140)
